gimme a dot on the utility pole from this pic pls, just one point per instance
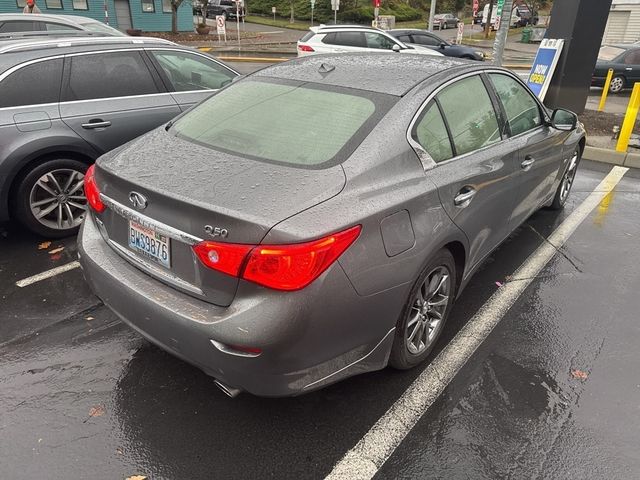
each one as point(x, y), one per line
point(501, 34)
point(432, 13)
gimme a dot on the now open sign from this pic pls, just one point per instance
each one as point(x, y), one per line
point(544, 65)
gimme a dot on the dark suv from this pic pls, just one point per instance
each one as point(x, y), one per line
point(226, 8)
point(65, 102)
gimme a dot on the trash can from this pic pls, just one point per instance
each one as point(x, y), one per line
point(526, 35)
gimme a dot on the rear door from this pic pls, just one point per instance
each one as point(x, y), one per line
point(191, 77)
point(539, 146)
point(474, 167)
point(111, 97)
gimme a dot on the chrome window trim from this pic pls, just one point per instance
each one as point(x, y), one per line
point(194, 52)
point(72, 42)
point(428, 162)
point(146, 221)
point(17, 67)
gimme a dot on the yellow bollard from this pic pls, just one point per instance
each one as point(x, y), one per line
point(605, 90)
point(629, 119)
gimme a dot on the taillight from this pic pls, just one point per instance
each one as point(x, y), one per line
point(225, 257)
point(281, 267)
point(91, 190)
point(305, 48)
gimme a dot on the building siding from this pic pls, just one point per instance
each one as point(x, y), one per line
point(632, 31)
point(157, 21)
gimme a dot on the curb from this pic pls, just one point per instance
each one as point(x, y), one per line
point(253, 59)
point(605, 155)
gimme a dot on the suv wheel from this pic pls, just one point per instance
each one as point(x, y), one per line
point(50, 199)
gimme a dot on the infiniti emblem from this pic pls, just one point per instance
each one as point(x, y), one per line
point(138, 200)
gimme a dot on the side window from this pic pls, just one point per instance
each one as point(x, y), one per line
point(18, 26)
point(106, 75)
point(405, 39)
point(375, 40)
point(632, 58)
point(32, 85)
point(430, 132)
point(348, 39)
point(473, 125)
point(57, 26)
point(187, 71)
point(522, 110)
point(425, 40)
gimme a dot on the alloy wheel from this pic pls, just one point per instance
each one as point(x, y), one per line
point(427, 310)
point(616, 85)
point(567, 180)
point(57, 199)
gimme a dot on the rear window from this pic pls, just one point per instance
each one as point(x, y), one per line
point(307, 36)
point(287, 122)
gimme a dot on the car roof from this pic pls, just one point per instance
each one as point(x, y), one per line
point(412, 30)
point(387, 72)
point(337, 28)
point(73, 19)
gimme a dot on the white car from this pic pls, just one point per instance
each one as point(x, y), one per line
point(353, 38)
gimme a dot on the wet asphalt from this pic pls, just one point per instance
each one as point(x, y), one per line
point(553, 392)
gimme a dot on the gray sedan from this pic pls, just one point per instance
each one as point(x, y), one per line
point(317, 219)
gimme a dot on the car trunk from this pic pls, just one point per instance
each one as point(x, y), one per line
point(197, 193)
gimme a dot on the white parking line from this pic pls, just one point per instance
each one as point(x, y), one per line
point(365, 459)
point(48, 274)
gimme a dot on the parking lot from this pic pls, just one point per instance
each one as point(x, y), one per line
point(552, 392)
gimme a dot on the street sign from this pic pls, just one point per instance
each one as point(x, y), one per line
point(460, 33)
point(335, 5)
point(221, 25)
point(273, 10)
point(498, 14)
point(476, 7)
point(544, 66)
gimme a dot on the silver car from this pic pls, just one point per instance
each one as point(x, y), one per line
point(65, 102)
point(317, 219)
point(43, 22)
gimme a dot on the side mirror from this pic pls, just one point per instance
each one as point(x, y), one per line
point(564, 120)
point(396, 47)
point(442, 45)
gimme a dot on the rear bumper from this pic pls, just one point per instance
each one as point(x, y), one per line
point(308, 339)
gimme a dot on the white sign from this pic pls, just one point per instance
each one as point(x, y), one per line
point(460, 33)
point(544, 65)
point(220, 25)
point(273, 10)
point(335, 5)
point(313, 3)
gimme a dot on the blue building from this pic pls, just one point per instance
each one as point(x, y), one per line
point(145, 15)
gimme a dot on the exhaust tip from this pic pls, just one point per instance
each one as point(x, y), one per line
point(229, 391)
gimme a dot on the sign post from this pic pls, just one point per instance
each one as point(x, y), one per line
point(313, 5)
point(460, 33)
point(238, 3)
point(335, 6)
point(273, 10)
point(221, 27)
point(544, 66)
point(499, 7)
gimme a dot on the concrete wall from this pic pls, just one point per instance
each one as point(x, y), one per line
point(157, 21)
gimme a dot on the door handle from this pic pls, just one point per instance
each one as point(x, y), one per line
point(96, 123)
point(528, 161)
point(628, 68)
point(464, 196)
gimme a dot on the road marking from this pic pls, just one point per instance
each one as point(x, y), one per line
point(365, 459)
point(48, 274)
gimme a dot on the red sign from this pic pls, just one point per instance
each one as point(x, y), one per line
point(376, 3)
point(476, 7)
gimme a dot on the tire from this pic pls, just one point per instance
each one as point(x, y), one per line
point(617, 84)
point(406, 353)
point(45, 185)
point(564, 189)
point(224, 15)
point(443, 26)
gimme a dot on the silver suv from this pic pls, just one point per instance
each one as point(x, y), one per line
point(63, 103)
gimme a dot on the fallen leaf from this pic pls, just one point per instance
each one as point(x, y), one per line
point(89, 318)
point(137, 477)
point(498, 284)
point(56, 250)
point(579, 374)
point(44, 245)
point(97, 411)
point(57, 256)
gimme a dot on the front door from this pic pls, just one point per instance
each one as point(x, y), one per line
point(474, 172)
point(111, 98)
point(123, 14)
point(539, 146)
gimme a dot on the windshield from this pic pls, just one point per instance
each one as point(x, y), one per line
point(101, 28)
point(294, 123)
point(608, 53)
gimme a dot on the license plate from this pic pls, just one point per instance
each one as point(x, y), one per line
point(150, 244)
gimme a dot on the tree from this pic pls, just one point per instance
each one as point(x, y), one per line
point(175, 5)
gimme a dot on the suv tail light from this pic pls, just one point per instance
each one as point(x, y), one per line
point(91, 190)
point(305, 48)
point(281, 267)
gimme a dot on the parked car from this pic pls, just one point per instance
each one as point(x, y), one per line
point(54, 125)
point(477, 18)
point(12, 22)
point(226, 8)
point(353, 38)
point(520, 16)
point(445, 20)
point(432, 41)
point(326, 227)
point(625, 62)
